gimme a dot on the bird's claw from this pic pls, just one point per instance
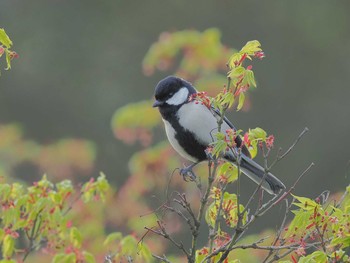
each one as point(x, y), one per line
point(188, 174)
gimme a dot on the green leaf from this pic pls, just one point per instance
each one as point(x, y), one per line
point(227, 99)
point(113, 237)
point(4, 38)
point(229, 171)
point(305, 203)
point(235, 58)
point(10, 215)
point(8, 59)
point(75, 237)
point(145, 252)
point(8, 261)
point(200, 256)
point(249, 75)
point(5, 191)
point(257, 133)
point(211, 214)
point(219, 147)
point(343, 241)
point(253, 149)
point(299, 222)
point(65, 187)
point(316, 257)
point(8, 246)
point(2, 234)
point(241, 101)
point(58, 258)
point(89, 258)
point(129, 245)
point(236, 72)
point(251, 47)
point(70, 258)
point(102, 185)
point(56, 197)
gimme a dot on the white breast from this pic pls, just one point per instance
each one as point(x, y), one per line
point(198, 119)
point(170, 132)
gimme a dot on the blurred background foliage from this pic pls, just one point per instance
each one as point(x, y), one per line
point(81, 61)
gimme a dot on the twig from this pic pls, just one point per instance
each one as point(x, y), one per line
point(213, 231)
point(72, 203)
point(260, 211)
point(285, 194)
point(280, 157)
point(342, 199)
point(162, 232)
point(203, 204)
point(186, 205)
point(185, 218)
point(255, 245)
point(162, 258)
point(279, 232)
point(33, 235)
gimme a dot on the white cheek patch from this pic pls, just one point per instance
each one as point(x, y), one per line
point(179, 97)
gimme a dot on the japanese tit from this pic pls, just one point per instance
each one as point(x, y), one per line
point(190, 128)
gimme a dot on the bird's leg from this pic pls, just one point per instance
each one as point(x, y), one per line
point(187, 173)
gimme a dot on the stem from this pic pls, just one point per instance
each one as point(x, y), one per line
point(33, 235)
point(203, 204)
point(216, 225)
point(280, 157)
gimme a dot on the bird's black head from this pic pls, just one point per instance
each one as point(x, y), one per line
point(172, 91)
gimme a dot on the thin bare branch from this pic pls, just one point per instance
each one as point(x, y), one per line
point(162, 232)
point(280, 157)
point(162, 258)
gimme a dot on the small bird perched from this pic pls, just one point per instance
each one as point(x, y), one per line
point(189, 127)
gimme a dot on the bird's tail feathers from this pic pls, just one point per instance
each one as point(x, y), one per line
point(257, 173)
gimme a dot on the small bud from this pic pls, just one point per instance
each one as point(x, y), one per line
point(13, 55)
point(259, 55)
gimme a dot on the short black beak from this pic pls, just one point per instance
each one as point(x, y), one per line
point(157, 103)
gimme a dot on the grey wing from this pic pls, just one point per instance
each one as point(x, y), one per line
point(238, 139)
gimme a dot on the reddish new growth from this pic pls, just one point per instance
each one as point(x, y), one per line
point(9, 231)
point(230, 138)
point(13, 55)
point(204, 251)
point(269, 141)
point(222, 239)
point(301, 250)
point(209, 150)
point(244, 56)
point(201, 97)
point(241, 89)
point(246, 139)
point(259, 54)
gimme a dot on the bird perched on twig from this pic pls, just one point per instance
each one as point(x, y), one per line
point(189, 127)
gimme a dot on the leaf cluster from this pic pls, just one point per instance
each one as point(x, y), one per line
point(37, 216)
point(5, 48)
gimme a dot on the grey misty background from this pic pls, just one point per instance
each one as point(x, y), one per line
point(81, 60)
